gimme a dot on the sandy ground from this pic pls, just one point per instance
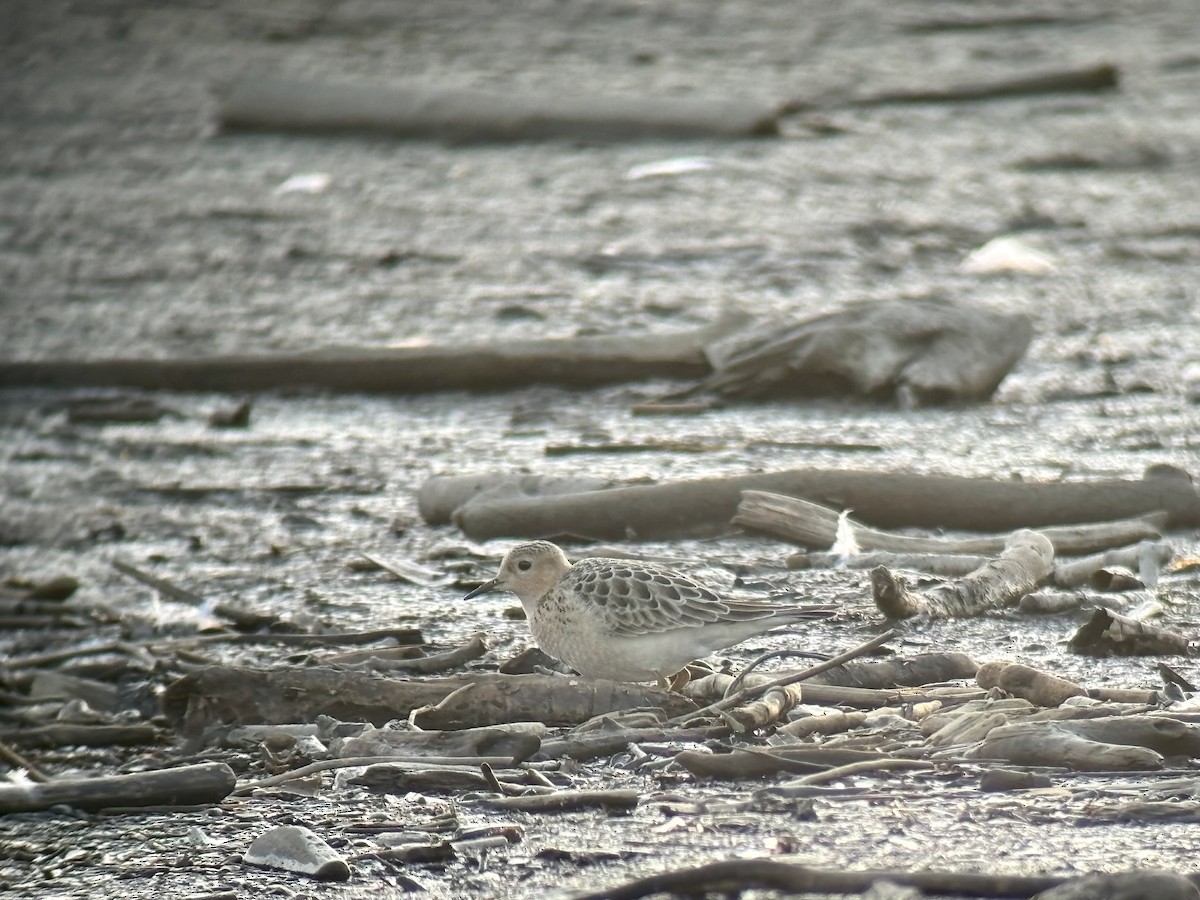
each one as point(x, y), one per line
point(128, 226)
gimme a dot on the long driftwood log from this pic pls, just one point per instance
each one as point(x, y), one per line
point(425, 111)
point(180, 786)
point(1026, 561)
point(1100, 77)
point(572, 362)
point(737, 875)
point(225, 695)
point(812, 525)
point(705, 506)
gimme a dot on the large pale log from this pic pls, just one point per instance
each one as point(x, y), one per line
point(812, 525)
point(1002, 582)
point(495, 365)
point(705, 506)
point(180, 786)
point(1146, 555)
point(459, 115)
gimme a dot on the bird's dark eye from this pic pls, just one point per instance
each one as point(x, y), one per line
point(524, 565)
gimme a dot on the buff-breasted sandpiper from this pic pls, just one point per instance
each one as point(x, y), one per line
point(626, 620)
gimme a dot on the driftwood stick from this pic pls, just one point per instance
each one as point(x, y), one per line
point(1101, 77)
point(944, 565)
point(459, 115)
point(866, 765)
point(812, 525)
point(572, 362)
point(738, 875)
point(338, 639)
point(440, 495)
point(562, 800)
point(17, 761)
point(1002, 582)
point(439, 662)
point(181, 786)
point(1147, 554)
point(582, 747)
point(164, 587)
point(63, 734)
point(749, 693)
point(705, 506)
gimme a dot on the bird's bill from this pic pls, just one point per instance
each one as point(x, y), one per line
point(486, 587)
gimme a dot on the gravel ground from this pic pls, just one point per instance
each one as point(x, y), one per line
point(129, 227)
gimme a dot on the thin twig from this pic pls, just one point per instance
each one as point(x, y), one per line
point(167, 588)
point(866, 765)
point(773, 654)
point(17, 761)
point(749, 693)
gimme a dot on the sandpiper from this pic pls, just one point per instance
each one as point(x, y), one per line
point(625, 620)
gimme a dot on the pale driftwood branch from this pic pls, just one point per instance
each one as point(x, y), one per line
point(755, 762)
point(438, 662)
point(496, 365)
point(181, 786)
point(836, 721)
point(812, 525)
point(459, 115)
point(944, 565)
point(874, 765)
point(1100, 77)
point(1002, 582)
point(883, 499)
point(924, 668)
point(237, 695)
point(750, 693)
point(714, 686)
point(883, 676)
point(1146, 555)
point(738, 875)
point(770, 707)
point(583, 747)
point(440, 495)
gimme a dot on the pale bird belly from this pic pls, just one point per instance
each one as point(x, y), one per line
point(598, 654)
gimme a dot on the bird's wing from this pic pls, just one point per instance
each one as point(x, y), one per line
point(633, 599)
